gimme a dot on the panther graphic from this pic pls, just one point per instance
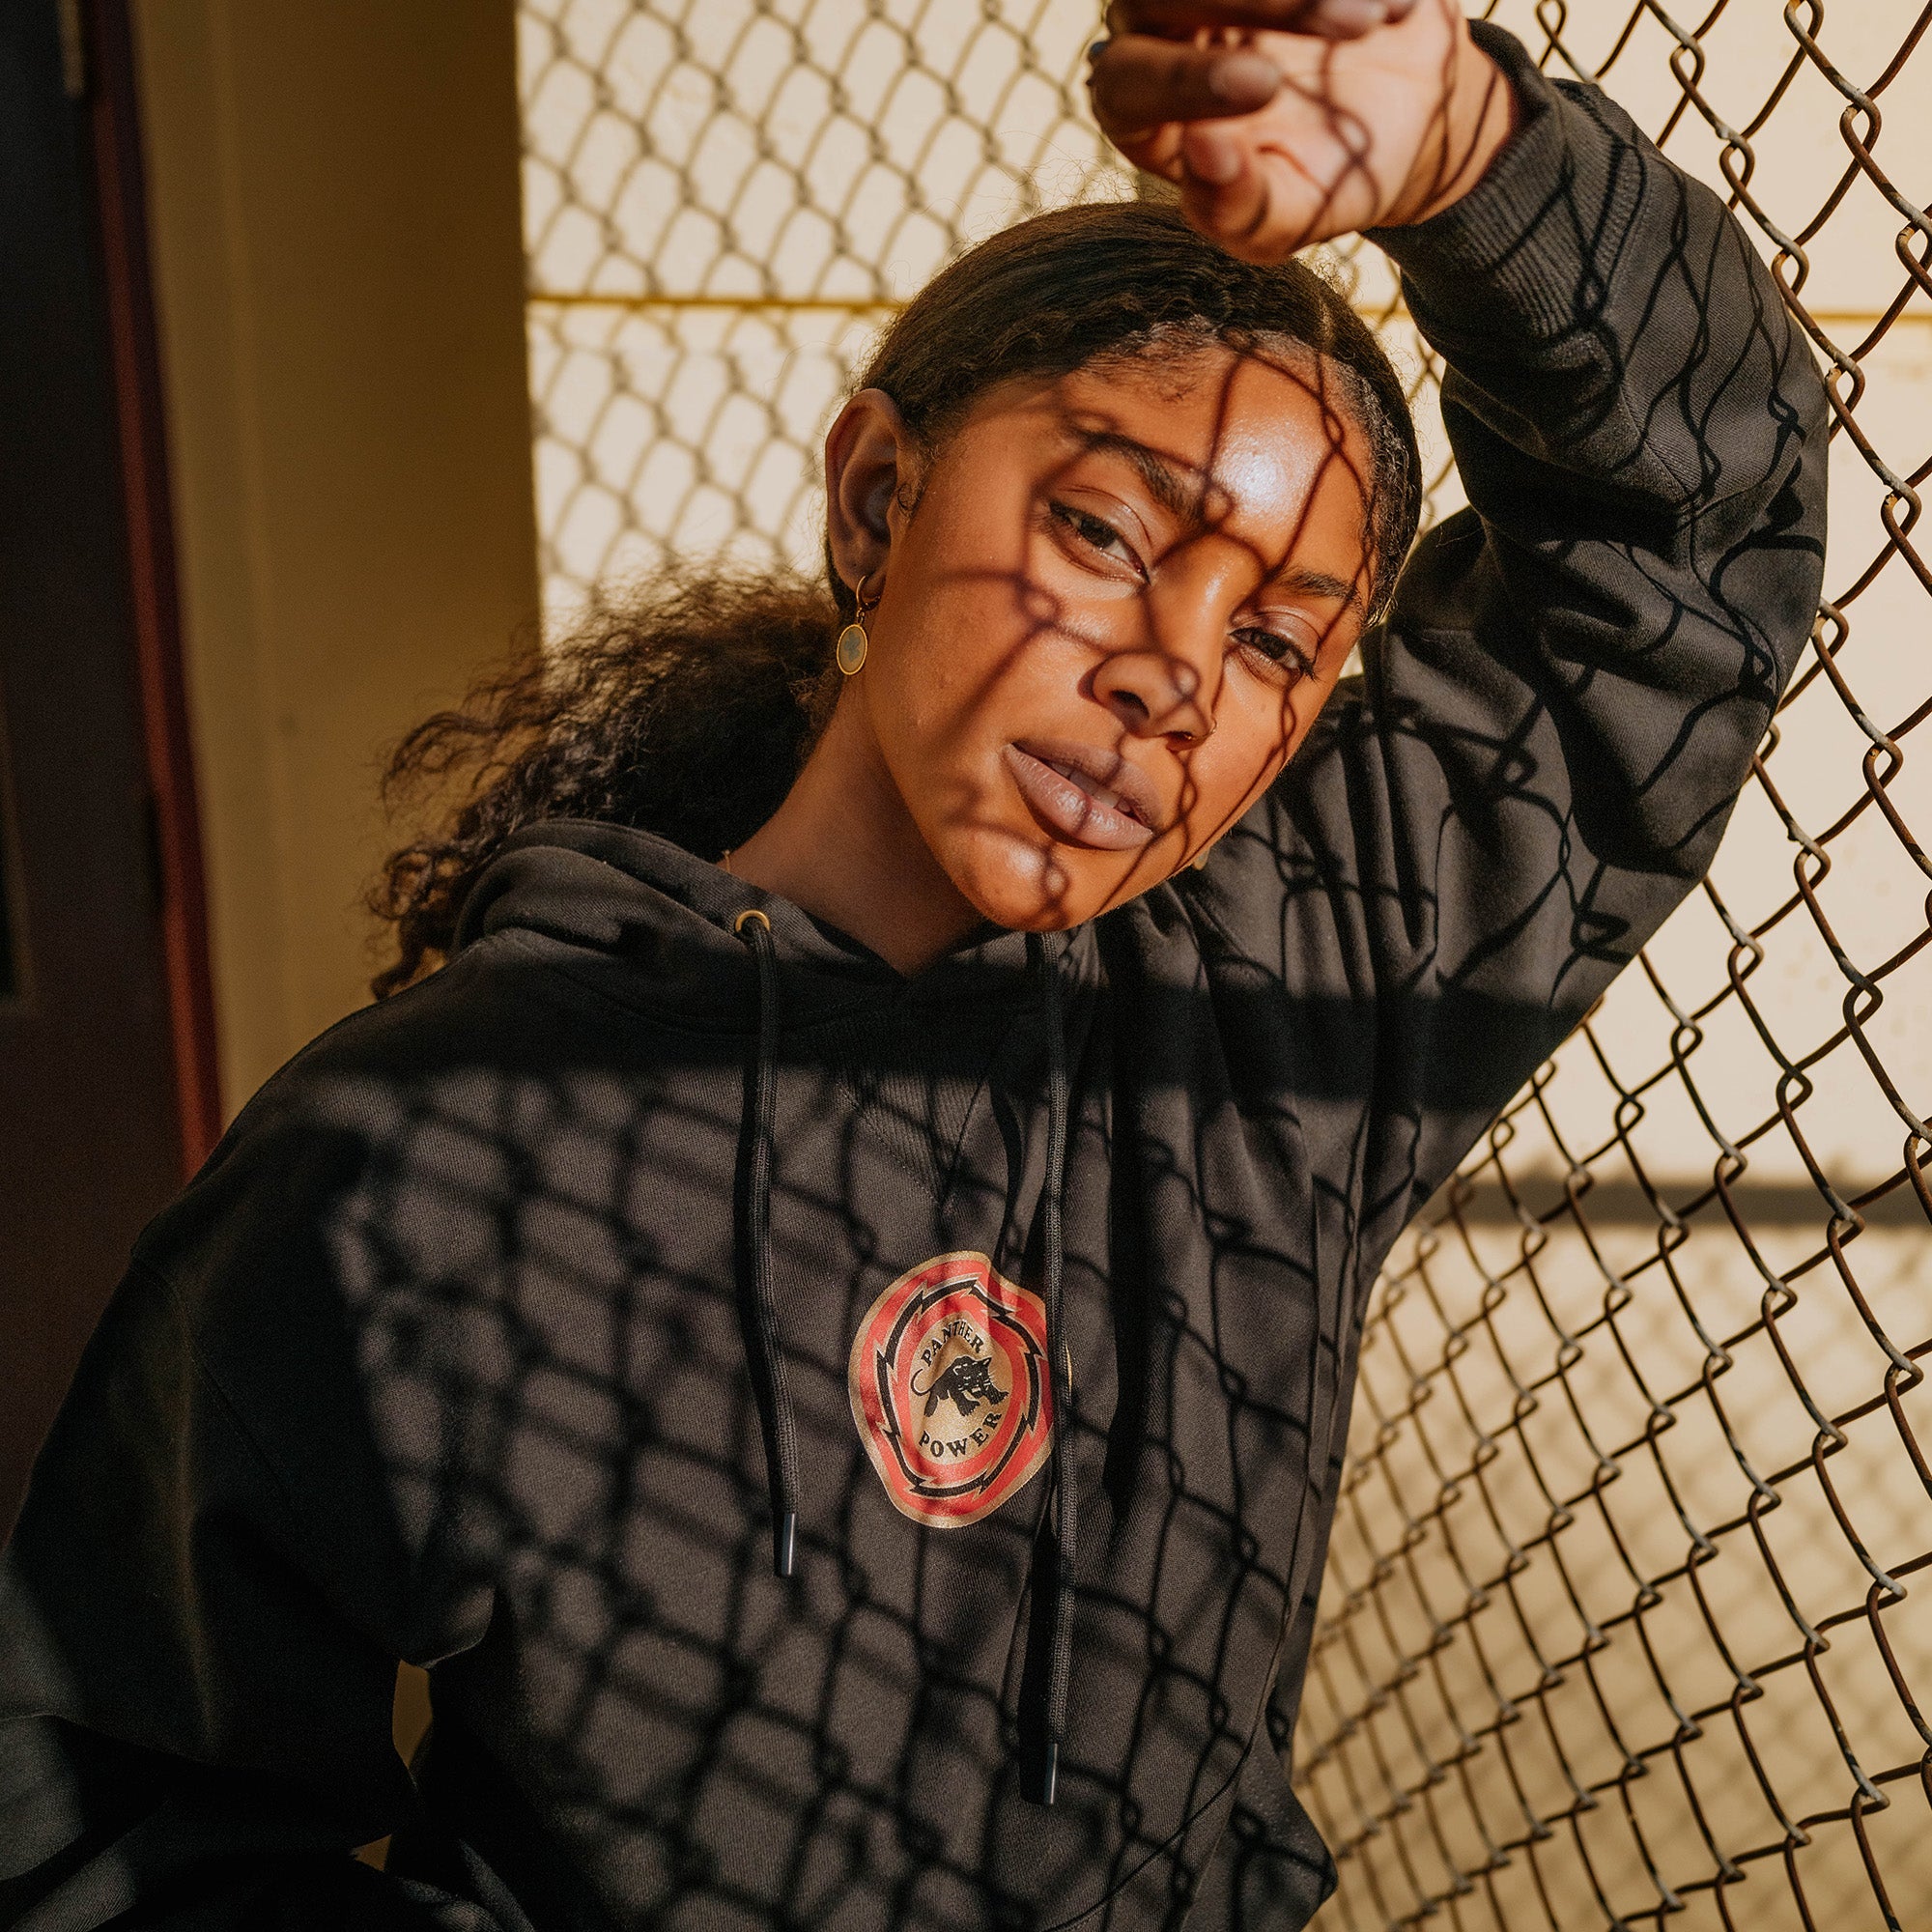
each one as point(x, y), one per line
point(953, 1330)
point(966, 1382)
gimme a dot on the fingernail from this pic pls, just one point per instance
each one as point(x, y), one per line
point(1355, 16)
point(1244, 80)
point(1094, 52)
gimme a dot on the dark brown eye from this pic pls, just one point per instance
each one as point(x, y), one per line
point(1276, 649)
point(1093, 531)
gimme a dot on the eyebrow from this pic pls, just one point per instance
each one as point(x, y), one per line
point(1319, 583)
point(1178, 491)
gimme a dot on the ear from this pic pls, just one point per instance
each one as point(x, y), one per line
point(869, 455)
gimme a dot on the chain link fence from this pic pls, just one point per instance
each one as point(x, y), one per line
point(723, 198)
point(1624, 1618)
point(1620, 1622)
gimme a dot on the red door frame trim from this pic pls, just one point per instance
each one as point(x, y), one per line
point(113, 111)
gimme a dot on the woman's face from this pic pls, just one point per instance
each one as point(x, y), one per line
point(1112, 606)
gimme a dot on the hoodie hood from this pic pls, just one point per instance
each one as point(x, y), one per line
point(639, 899)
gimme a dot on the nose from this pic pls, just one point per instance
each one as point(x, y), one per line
point(1166, 686)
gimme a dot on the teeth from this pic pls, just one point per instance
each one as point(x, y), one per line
point(1100, 794)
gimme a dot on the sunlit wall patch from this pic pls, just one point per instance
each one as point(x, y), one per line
point(950, 1389)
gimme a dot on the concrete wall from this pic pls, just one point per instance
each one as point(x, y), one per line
point(334, 211)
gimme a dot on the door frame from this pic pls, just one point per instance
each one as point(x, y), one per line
point(97, 60)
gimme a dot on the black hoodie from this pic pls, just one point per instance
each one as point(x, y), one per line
point(508, 1317)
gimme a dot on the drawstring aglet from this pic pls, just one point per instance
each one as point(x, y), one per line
point(1049, 1771)
point(784, 1541)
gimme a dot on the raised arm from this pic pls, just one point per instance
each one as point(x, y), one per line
point(1561, 705)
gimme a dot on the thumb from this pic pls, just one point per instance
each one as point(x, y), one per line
point(1223, 193)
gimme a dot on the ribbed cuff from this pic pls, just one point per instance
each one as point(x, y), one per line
point(1527, 251)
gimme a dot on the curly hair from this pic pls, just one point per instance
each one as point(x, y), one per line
point(688, 709)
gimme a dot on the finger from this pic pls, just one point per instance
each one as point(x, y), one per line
point(1330, 19)
point(1157, 151)
point(1231, 198)
point(1139, 83)
point(1223, 193)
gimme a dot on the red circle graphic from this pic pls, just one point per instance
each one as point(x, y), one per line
point(950, 1389)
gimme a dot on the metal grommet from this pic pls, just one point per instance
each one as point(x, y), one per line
point(749, 912)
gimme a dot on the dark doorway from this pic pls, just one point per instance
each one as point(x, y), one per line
point(99, 905)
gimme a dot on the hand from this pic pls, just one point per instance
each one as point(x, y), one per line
point(1289, 122)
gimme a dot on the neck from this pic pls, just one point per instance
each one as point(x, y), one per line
point(843, 848)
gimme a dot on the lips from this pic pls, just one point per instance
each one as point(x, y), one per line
point(1085, 796)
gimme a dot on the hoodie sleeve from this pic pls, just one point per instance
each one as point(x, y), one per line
point(1558, 712)
point(201, 1612)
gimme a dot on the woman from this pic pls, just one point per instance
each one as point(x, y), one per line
point(828, 1323)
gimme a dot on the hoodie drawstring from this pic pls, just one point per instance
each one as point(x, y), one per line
point(1060, 1641)
point(758, 1312)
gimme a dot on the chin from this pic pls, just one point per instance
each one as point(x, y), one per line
point(1018, 882)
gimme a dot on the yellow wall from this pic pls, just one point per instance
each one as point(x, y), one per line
point(334, 195)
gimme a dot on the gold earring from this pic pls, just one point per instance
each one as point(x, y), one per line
point(853, 641)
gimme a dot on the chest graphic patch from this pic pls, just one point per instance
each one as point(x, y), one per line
point(950, 1389)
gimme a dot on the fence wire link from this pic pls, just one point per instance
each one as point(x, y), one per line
point(1624, 1618)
